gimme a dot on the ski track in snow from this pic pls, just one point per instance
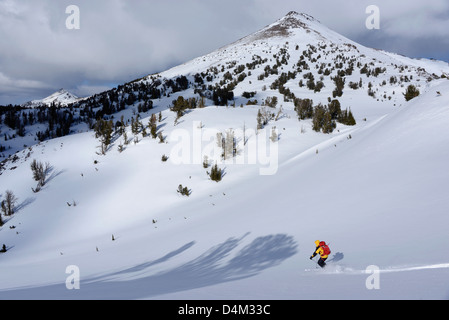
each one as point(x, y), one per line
point(341, 269)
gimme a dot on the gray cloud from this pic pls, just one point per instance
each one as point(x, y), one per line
point(122, 40)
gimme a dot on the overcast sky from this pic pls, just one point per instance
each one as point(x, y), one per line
point(122, 40)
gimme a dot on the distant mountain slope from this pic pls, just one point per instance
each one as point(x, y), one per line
point(300, 44)
point(61, 98)
point(296, 57)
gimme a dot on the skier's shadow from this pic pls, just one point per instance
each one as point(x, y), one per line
point(337, 257)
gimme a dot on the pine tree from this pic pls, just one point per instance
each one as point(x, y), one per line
point(216, 173)
point(347, 118)
point(152, 124)
point(104, 131)
point(412, 92)
point(161, 137)
point(107, 135)
point(121, 127)
point(351, 119)
point(136, 125)
point(328, 124)
point(184, 190)
point(318, 117)
point(304, 108)
point(339, 86)
point(201, 102)
point(125, 138)
point(334, 108)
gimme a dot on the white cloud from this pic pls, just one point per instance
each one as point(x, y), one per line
point(122, 40)
point(8, 84)
point(88, 90)
point(19, 90)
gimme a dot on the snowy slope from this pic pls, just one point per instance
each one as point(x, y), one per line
point(377, 192)
point(60, 97)
point(296, 33)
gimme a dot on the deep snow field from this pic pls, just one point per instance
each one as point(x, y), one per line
point(379, 198)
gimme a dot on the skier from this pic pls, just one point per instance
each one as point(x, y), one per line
point(323, 250)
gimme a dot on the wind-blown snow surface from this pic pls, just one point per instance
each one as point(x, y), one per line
point(379, 198)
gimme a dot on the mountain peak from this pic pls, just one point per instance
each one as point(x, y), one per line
point(298, 16)
point(62, 91)
point(285, 26)
point(294, 19)
point(62, 97)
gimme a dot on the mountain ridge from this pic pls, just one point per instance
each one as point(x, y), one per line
point(301, 63)
point(61, 98)
point(303, 30)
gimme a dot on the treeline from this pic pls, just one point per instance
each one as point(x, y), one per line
point(59, 120)
point(324, 117)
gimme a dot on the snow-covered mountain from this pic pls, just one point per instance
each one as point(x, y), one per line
point(112, 210)
point(61, 98)
point(300, 44)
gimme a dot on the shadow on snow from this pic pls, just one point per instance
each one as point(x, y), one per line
point(210, 268)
